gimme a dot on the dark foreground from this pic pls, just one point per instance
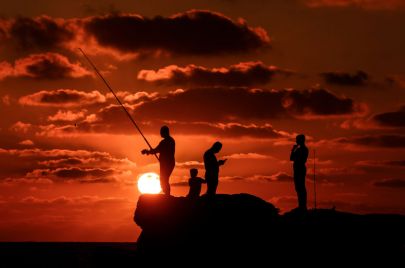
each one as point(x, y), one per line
point(244, 228)
point(31, 254)
point(231, 230)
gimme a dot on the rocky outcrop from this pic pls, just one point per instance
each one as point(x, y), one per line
point(242, 226)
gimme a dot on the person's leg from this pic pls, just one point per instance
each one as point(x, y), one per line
point(299, 180)
point(165, 172)
point(164, 183)
point(215, 185)
point(210, 187)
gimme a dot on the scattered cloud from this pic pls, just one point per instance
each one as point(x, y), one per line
point(225, 105)
point(391, 119)
point(6, 99)
point(346, 79)
point(189, 164)
point(390, 183)
point(382, 140)
point(67, 116)
point(84, 175)
point(6, 70)
point(381, 163)
point(364, 4)
point(242, 74)
point(21, 127)
point(26, 142)
point(277, 177)
point(63, 98)
point(43, 66)
point(248, 156)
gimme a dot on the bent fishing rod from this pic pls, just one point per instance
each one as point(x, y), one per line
point(116, 97)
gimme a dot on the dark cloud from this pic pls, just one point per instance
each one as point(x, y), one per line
point(387, 141)
point(41, 32)
point(118, 124)
point(62, 98)
point(85, 175)
point(62, 162)
point(80, 173)
point(193, 32)
point(54, 153)
point(242, 74)
point(319, 103)
point(385, 163)
point(364, 4)
point(382, 167)
point(31, 165)
point(43, 66)
point(391, 119)
point(277, 177)
point(99, 161)
point(224, 104)
point(390, 183)
point(221, 112)
point(346, 79)
point(49, 66)
point(227, 130)
point(196, 32)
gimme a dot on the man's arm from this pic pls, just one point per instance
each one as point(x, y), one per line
point(293, 150)
point(153, 150)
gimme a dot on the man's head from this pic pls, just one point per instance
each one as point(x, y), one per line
point(300, 139)
point(164, 132)
point(193, 172)
point(216, 147)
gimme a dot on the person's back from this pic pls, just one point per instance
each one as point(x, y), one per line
point(211, 165)
point(211, 162)
point(195, 184)
point(300, 156)
point(166, 149)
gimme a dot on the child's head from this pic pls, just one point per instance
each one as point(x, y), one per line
point(193, 172)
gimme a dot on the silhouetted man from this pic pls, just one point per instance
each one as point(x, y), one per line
point(211, 165)
point(299, 155)
point(165, 149)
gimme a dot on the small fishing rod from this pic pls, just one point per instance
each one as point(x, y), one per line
point(116, 97)
point(314, 184)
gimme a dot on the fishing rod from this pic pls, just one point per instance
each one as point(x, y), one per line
point(116, 97)
point(314, 184)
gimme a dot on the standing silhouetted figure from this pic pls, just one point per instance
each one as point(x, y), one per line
point(195, 184)
point(212, 167)
point(165, 149)
point(299, 155)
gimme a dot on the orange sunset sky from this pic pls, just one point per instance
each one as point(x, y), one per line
point(251, 74)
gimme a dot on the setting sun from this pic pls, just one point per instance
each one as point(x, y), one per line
point(148, 183)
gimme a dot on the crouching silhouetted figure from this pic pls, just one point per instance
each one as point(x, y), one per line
point(299, 154)
point(212, 167)
point(195, 184)
point(166, 150)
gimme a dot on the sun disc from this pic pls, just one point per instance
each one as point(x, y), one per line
point(149, 183)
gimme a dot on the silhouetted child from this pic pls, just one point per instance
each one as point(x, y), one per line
point(195, 184)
